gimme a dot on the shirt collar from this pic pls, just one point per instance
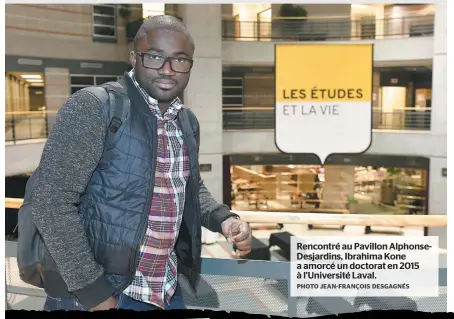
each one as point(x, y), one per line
point(171, 112)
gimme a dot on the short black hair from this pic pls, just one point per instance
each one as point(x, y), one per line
point(166, 22)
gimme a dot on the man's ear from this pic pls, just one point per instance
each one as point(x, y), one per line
point(132, 58)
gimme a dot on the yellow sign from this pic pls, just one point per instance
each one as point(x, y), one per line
point(323, 72)
point(323, 89)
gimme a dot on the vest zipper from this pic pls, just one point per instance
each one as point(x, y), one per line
point(192, 185)
point(143, 229)
point(196, 216)
point(192, 196)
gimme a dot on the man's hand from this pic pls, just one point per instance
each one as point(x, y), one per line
point(238, 233)
point(110, 303)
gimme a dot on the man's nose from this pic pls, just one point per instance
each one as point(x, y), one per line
point(166, 69)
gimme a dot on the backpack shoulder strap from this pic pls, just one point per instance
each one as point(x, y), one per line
point(119, 105)
point(194, 123)
point(115, 102)
point(192, 118)
point(99, 92)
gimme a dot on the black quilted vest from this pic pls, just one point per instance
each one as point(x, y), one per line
point(117, 200)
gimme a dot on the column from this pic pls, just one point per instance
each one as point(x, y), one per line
point(56, 90)
point(8, 108)
point(275, 24)
point(204, 92)
point(339, 186)
point(16, 95)
point(15, 106)
point(379, 21)
point(27, 97)
point(21, 96)
point(8, 102)
point(227, 10)
point(228, 29)
point(437, 183)
point(376, 109)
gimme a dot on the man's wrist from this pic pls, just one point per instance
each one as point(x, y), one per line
point(95, 293)
point(217, 218)
point(230, 218)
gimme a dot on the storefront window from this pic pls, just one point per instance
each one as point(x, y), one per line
point(347, 189)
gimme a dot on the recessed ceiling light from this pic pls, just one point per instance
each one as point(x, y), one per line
point(31, 76)
point(359, 6)
point(35, 80)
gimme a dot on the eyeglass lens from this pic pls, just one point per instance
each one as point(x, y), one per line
point(152, 61)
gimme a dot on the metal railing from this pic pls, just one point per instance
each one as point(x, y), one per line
point(249, 286)
point(321, 218)
point(316, 28)
point(260, 287)
point(20, 126)
point(31, 125)
point(327, 28)
point(255, 118)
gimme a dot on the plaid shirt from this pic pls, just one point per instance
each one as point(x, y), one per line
point(155, 280)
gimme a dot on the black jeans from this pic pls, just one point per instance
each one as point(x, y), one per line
point(123, 302)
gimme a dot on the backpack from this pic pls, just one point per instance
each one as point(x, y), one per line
point(31, 250)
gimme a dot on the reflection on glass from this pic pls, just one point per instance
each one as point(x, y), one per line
point(347, 189)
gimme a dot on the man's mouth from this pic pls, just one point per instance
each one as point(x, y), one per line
point(165, 84)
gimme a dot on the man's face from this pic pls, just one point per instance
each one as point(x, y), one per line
point(164, 84)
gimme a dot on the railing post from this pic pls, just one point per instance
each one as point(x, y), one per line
point(30, 134)
point(223, 28)
point(292, 306)
point(13, 129)
point(402, 31)
point(7, 306)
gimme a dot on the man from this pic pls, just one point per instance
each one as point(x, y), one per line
point(120, 216)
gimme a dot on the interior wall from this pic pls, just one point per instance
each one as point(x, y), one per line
point(249, 11)
point(36, 98)
point(247, 15)
point(397, 25)
point(358, 14)
point(227, 10)
point(258, 90)
point(153, 9)
point(393, 99)
point(397, 11)
point(17, 98)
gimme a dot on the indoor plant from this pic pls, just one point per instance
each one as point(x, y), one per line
point(291, 27)
point(353, 205)
point(292, 11)
point(125, 12)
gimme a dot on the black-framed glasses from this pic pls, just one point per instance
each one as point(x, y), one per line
point(156, 62)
